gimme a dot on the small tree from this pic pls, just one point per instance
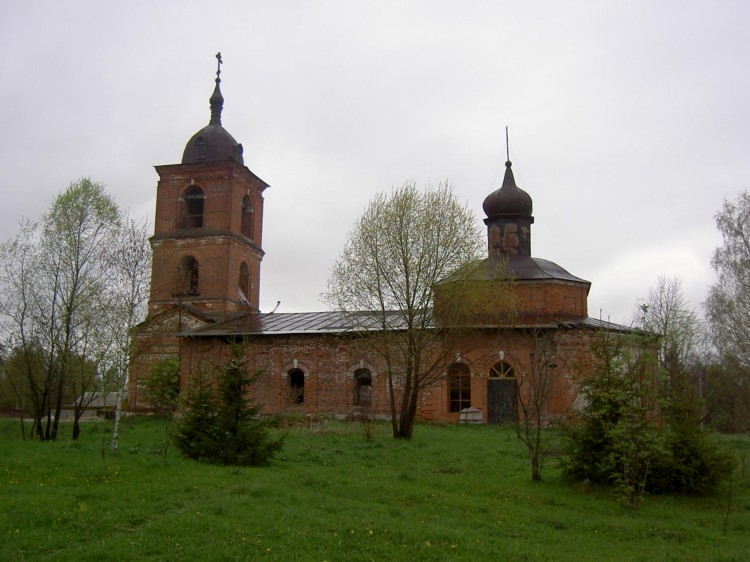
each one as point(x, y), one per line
point(616, 439)
point(163, 392)
point(534, 390)
point(402, 246)
point(220, 424)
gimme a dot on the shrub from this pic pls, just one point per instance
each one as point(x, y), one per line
point(219, 424)
point(624, 439)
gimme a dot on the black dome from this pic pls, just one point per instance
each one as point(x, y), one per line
point(212, 143)
point(509, 199)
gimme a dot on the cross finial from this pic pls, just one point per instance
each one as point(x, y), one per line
point(218, 64)
point(507, 145)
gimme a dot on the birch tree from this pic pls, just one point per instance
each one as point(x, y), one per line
point(728, 303)
point(57, 277)
point(130, 264)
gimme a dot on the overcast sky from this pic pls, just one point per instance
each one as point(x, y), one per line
point(629, 121)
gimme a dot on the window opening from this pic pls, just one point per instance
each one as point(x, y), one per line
point(363, 390)
point(193, 207)
point(187, 277)
point(244, 284)
point(296, 386)
point(248, 217)
point(459, 387)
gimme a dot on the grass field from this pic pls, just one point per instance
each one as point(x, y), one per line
point(452, 493)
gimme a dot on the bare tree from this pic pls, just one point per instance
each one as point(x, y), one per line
point(402, 246)
point(666, 312)
point(535, 387)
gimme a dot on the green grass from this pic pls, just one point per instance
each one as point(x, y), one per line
point(452, 493)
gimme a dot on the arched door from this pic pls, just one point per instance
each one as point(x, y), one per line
point(502, 394)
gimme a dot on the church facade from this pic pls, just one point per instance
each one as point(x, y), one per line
point(207, 254)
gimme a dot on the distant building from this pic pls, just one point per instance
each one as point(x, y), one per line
point(207, 253)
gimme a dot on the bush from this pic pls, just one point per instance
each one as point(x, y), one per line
point(219, 424)
point(691, 464)
point(624, 439)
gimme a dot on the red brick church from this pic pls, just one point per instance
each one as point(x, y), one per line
point(207, 254)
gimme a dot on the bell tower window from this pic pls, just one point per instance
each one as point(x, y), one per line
point(187, 277)
point(192, 207)
point(244, 284)
point(248, 217)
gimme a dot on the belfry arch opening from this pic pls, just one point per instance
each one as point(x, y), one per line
point(243, 291)
point(248, 217)
point(193, 200)
point(188, 272)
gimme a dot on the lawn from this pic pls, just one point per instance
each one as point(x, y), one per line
point(451, 493)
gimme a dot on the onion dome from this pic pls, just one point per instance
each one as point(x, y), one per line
point(509, 200)
point(213, 143)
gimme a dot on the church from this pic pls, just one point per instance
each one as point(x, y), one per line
point(205, 287)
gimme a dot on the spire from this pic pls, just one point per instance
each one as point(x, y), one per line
point(217, 100)
point(508, 180)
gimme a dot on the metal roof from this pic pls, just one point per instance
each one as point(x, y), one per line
point(334, 322)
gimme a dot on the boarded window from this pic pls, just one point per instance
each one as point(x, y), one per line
point(459, 387)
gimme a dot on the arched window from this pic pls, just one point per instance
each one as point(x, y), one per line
point(244, 284)
point(502, 370)
point(296, 386)
point(248, 217)
point(192, 208)
point(363, 388)
point(459, 387)
point(187, 277)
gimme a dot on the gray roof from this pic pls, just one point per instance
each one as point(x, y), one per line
point(517, 268)
point(333, 322)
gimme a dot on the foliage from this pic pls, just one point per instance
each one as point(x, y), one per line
point(219, 423)
point(402, 246)
point(616, 438)
point(163, 384)
point(628, 438)
point(452, 493)
point(59, 278)
point(163, 392)
point(727, 392)
point(728, 303)
point(691, 462)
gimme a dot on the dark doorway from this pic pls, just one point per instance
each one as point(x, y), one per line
point(502, 394)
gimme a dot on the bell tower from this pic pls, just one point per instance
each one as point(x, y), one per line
point(207, 238)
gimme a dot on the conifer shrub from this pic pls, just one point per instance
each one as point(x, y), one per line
point(691, 462)
point(626, 437)
point(219, 424)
